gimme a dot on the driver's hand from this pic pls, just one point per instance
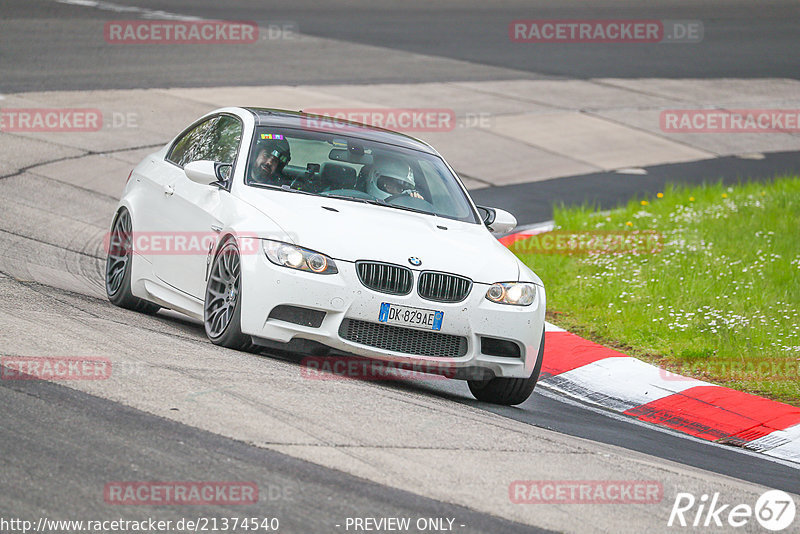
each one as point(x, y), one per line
point(415, 194)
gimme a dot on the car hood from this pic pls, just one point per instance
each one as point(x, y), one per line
point(352, 231)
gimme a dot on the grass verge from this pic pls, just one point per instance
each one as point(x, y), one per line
point(703, 281)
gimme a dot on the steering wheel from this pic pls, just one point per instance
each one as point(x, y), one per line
point(395, 197)
point(302, 183)
point(392, 198)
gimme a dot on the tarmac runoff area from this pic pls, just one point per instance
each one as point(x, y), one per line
point(494, 133)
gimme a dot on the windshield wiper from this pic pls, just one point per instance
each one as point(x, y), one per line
point(354, 199)
point(281, 188)
point(379, 202)
point(407, 208)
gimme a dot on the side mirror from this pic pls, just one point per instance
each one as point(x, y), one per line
point(205, 172)
point(496, 220)
point(487, 214)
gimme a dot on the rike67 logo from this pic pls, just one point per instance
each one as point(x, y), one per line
point(774, 510)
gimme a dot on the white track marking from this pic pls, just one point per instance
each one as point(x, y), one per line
point(621, 383)
point(117, 8)
point(545, 391)
point(780, 444)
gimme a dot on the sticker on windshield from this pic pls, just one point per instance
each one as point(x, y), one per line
point(271, 136)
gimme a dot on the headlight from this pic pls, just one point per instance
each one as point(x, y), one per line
point(287, 255)
point(515, 293)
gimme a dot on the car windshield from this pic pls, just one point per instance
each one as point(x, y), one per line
point(335, 165)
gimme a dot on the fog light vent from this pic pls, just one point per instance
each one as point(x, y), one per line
point(491, 346)
point(297, 315)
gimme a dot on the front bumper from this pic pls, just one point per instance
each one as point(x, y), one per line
point(342, 297)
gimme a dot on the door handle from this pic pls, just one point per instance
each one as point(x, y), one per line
point(216, 228)
point(169, 190)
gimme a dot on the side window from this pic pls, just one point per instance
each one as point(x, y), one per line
point(186, 148)
point(222, 141)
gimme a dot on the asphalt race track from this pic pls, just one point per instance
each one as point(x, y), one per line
point(179, 408)
point(42, 54)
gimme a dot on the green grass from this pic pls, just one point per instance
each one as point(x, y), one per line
point(720, 301)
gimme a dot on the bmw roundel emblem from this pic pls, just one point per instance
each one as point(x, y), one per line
point(415, 261)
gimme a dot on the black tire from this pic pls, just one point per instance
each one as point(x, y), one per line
point(118, 267)
point(508, 391)
point(222, 308)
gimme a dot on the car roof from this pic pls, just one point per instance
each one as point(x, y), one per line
point(298, 119)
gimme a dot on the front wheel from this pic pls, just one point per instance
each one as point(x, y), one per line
point(222, 310)
point(508, 391)
point(118, 266)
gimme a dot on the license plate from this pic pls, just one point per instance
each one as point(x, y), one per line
point(413, 317)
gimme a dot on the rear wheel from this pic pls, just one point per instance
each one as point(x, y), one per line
point(508, 391)
point(118, 266)
point(222, 310)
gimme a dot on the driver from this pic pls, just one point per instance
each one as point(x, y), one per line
point(271, 157)
point(389, 178)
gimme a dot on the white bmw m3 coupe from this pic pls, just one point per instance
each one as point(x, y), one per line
point(285, 230)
